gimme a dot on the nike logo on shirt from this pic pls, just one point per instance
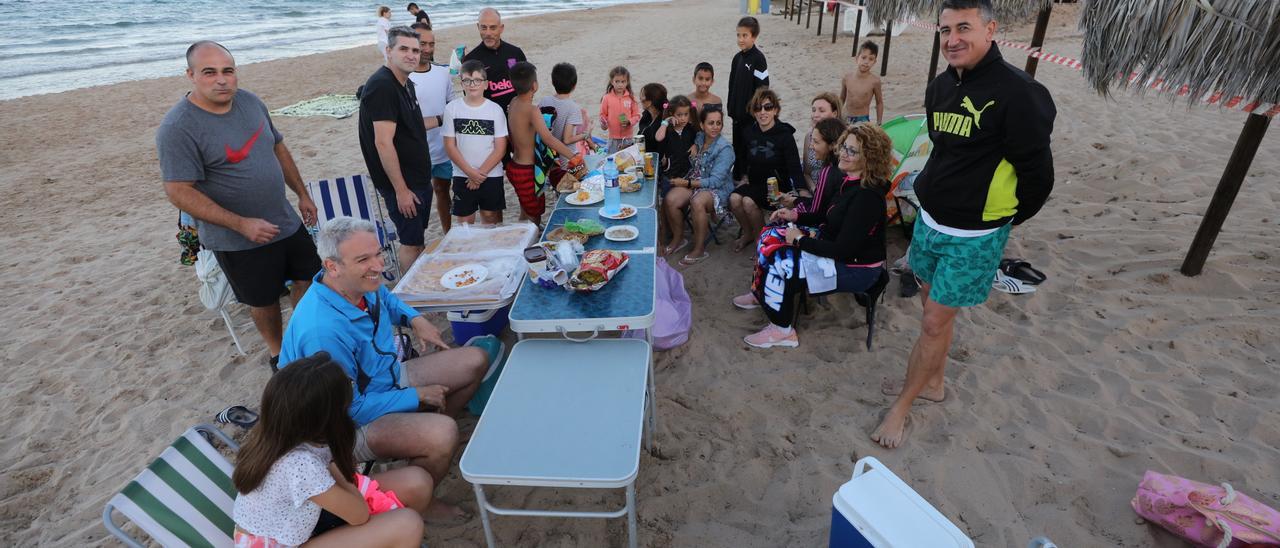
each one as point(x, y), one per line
point(238, 155)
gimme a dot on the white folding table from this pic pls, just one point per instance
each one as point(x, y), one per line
point(563, 414)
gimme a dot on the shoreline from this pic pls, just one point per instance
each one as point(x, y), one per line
point(1058, 401)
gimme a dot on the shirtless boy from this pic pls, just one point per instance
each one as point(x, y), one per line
point(704, 75)
point(859, 87)
point(524, 121)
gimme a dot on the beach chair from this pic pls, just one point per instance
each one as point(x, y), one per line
point(354, 196)
point(183, 498)
point(868, 299)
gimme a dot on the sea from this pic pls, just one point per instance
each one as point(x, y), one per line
point(48, 46)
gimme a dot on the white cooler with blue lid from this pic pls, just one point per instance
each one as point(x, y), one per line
point(876, 509)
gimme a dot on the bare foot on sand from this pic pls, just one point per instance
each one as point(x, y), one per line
point(932, 394)
point(440, 512)
point(892, 430)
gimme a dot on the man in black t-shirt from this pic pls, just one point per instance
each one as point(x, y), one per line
point(498, 58)
point(393, 141)
point(419, 14)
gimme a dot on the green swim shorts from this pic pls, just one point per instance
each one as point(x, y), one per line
point(958, 270)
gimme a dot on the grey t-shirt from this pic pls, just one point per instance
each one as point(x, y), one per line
point(567, 113)
point(231, 158)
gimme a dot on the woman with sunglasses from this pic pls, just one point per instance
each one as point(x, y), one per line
point(849, 238)
point(771, 152)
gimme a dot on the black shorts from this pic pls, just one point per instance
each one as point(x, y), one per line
point(757, 194)
point(491, 196)
point(257, 275)
point(410, 231)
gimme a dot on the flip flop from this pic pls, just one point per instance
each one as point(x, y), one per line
point(1022, 270)
point(1011, 285)
point(908, 285)
point(690, 261)
point(238, 415)
point(672, 250)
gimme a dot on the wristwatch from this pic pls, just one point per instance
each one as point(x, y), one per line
point(439, 121)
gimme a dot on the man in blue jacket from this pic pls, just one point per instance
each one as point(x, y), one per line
point(991, 168)
point(352, 316)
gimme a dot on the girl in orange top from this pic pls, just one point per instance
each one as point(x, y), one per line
point(619, 111)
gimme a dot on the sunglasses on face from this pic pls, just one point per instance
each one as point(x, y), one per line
point(763, 107)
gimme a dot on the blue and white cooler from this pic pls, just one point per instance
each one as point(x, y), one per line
point(876, 509)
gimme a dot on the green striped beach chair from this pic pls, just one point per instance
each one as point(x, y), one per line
point(183, 498)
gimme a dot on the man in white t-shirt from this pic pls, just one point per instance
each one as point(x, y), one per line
point(475, 137)
point(434, 88)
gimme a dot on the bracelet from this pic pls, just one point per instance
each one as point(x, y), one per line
point(439, 121)
point(664, 123)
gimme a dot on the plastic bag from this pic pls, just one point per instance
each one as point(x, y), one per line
point(674, 310)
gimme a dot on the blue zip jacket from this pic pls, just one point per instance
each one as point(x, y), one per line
point(323, 320)
point(717, 167)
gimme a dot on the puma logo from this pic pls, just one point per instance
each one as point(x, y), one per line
point(967, 104)
point(236, 156)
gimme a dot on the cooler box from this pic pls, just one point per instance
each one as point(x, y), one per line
point(497, 359)
point(477, 323)
point(877, 510)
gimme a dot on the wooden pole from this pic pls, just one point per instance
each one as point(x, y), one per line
point(1037, 39)
point(884, 61)
point(835, 23)
point(809, 18)
point(857, 30)
point(933, 57)
point(1232, 177)
point(822, 7)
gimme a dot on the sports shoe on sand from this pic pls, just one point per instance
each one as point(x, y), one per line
point(772, 336)
point(746, 301)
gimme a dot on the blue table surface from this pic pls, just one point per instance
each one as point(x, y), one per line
point(562, 413)
point(629, 294)
point(645, 219)
point(645, 197)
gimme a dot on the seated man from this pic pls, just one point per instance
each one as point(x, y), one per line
point(352, 316)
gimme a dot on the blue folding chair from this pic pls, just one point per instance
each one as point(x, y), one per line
point(353, 196)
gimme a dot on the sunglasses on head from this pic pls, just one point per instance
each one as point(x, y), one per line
point(763, 106)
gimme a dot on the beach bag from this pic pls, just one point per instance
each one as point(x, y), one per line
point(673, 313)
point(213, 283)
point(1204, 514)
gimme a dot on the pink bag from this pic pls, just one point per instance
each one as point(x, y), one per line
point(673, 310)
point(1204, 514)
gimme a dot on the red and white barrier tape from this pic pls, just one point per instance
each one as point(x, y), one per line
point(1216, 98)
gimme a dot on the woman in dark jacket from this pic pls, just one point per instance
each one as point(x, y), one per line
point(850, 233)
point(771, 152)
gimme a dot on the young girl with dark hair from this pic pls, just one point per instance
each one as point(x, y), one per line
point(674, 141)
point(827, 178)
point(619, 110)
point(294, 474)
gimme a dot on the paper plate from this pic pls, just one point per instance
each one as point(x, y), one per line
point(593, 198)
point(464, 276)
point(621, 233)
point(626, 213)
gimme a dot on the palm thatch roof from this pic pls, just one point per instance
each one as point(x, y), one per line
point(1232, 46)
point(1007, 11)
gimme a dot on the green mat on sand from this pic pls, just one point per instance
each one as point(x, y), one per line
point(337, 106)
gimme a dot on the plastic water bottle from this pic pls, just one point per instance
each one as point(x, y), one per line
point(612, 194)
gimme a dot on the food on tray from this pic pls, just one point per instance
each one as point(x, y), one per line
point(590, 227)
point(563, 233)
point(623, 160)
point(470, 239)
point(581, 196)
point(620, 233)
point(427, 275)
point(466, 278)
point(568, 184)
point(623, 212)
point(597, 267)
point(626, 179)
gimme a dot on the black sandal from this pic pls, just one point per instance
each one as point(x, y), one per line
point(238, 415)
point(1022, 270)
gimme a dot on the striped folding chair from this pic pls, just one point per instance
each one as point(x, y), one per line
point(183, 498)
point(354, 196)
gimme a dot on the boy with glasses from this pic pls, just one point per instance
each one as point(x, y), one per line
point(475, 138)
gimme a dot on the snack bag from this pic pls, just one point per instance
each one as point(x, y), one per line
point(597, 267)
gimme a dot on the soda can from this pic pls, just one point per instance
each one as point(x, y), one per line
point(650, 165)
point(640, 142)
point(772, 184)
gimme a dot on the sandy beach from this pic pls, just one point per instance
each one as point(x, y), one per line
point(1058, 401)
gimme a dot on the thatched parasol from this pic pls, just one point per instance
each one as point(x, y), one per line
point(1210, 46)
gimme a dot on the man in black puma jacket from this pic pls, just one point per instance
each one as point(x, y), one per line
point(991, 168)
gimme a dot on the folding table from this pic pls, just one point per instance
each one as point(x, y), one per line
point(563, 414)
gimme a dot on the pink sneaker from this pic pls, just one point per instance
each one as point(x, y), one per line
point(772, 336)
point(746, 301)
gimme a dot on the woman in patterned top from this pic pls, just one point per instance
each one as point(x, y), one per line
point(294, 474)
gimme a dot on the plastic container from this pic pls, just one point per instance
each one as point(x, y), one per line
point(876, 509)
point(612, 194)
point(497, 358)
point(477, 323)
